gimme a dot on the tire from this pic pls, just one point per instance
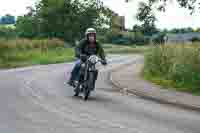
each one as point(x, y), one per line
point(91, 81)
point(86, 94)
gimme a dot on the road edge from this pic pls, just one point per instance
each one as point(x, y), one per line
point(143, 95)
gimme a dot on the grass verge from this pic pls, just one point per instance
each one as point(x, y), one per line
point(18, 58)
point(175, 67)
point(172, 85)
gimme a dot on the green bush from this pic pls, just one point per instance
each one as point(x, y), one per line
point(7, 31)
point(159, 39)
point(195, 39)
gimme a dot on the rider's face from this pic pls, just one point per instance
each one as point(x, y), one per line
point(91, 38)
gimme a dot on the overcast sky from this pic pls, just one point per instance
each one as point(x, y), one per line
point(173, 17)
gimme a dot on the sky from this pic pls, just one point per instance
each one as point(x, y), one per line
point(174, 17)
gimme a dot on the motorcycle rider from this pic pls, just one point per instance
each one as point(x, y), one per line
point(88, 46)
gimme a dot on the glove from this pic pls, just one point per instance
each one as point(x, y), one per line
point(104, 62)
point(83, 57)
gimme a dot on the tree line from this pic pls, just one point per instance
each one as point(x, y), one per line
point(64, 19)
point(68, 19)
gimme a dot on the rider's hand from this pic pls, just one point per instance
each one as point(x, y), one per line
point(83, 57)
point(104, 62)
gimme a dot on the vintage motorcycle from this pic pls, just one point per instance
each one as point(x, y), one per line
point(87, 77)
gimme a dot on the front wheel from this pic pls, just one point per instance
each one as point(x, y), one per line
point(92, 79)
point(86, 94)
point(77, 90)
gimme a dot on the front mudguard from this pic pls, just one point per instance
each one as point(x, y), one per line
point(95, 74)
point(92, 77)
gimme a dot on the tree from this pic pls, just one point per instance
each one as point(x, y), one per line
point(191, 5)
point(198, 30)
point(175, 30)
point(8, 19)
point(165, 31)
point(137, 28)
point(70, 18)
point(147, 17)
point(189, 29)
point(182, 30)
point(26, 26)
point(66, 19)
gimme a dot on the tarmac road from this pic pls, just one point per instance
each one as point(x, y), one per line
point(37, 100)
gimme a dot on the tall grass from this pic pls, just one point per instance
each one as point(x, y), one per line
point(174, 66)
point(24, 52)
point(27, 44)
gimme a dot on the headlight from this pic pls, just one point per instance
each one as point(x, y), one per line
point(83, 65)
point(93, 59)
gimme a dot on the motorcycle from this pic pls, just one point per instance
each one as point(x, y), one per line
point(87, 77)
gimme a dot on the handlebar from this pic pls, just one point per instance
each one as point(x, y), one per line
point(85, 57)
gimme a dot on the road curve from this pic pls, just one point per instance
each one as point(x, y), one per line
point(37, 100)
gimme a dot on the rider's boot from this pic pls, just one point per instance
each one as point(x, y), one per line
point(70, 82)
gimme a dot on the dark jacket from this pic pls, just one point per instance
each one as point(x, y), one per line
point(84, 48)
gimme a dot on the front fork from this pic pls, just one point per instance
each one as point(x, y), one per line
point(89, 77)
